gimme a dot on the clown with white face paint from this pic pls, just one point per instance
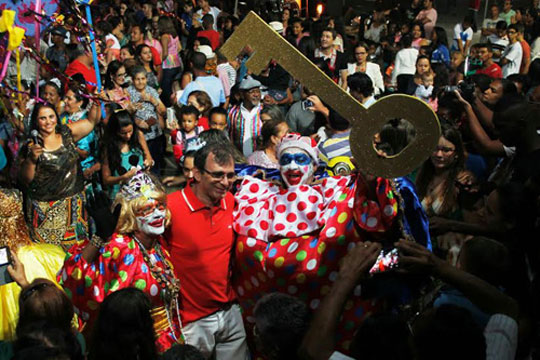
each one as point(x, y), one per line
point(291, 236)
point(134, 256)
point(151, 220)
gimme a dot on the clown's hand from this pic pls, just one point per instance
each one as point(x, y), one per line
point(99, 208)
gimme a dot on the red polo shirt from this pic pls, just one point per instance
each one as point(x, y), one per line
point(211, 35)
point(201, 242)
point(88, 73)
point(494, 71)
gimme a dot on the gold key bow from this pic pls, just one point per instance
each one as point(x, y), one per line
point(269, 45)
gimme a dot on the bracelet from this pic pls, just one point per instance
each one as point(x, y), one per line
point(96, 241)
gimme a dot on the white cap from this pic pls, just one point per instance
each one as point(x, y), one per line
point(277, 26)
point(207, 51)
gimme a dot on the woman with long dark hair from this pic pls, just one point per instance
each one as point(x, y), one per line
point(143, 54)
point(116, 85)
point(124, 151)
point(124, 327)
point(439, 44)
point(437, 179)
point(51, 174)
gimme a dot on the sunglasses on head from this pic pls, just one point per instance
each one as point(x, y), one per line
point(299, 158)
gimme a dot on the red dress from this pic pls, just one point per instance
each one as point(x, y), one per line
point(291, 240)
point(120, 265)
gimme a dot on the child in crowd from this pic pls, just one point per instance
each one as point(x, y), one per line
point(218, 118)
point(424, 91)
point(189, 129)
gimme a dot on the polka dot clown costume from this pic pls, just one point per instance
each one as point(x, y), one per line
point(291, 239)
point(125, 262)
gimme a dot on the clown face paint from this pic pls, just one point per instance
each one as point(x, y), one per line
point(296, 167)
point(151, 219)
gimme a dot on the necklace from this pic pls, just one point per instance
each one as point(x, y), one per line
point(170, 286)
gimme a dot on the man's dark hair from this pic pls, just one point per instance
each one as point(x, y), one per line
point(485, 45)
point(338, 122)
point(297, 20)
point(208, 19)
point(330, 30)
point(360, 83)
point(520, 28)
point(217, 110)
point(189, 110)
point(138, 25)
point(223, 155)
point(501, 25)
point(513, 27)
point(73, 51)
point(282, 321)
point(406, 41)
point(198, 59)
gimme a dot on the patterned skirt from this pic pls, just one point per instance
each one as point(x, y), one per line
point(61, 222)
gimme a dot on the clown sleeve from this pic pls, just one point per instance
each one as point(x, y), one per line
point(375, 216)
point(87, 284)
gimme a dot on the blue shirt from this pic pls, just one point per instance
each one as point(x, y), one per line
point(441, 55)
point(210, 85)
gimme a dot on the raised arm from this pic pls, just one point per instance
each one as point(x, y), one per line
point(81, 128)
point(319, 341)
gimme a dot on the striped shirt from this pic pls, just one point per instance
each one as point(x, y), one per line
point(336, 145)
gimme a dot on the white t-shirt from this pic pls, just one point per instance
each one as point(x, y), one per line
point(214, 11)
point(514, 54)
point(114, 39)
point(460, 34)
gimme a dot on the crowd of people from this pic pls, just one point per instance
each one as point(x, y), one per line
point(192, 209)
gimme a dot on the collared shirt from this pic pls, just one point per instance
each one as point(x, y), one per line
point(201, 241)
point(249, 117)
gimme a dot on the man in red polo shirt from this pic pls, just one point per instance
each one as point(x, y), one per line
point(84, 65)
point(209, 32)
point(489, 68)
point(201, 241)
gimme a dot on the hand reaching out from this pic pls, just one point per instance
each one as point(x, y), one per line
point(359, 260)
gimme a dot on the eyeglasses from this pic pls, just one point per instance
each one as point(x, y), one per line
point(299, 158)
point(444, 149)
point(220, 175)
point(121, 75)
point(254, 91)
point(511, 32)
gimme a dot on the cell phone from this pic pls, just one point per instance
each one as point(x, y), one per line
point(306, 104)
point(385, 261)
point(5, 261)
